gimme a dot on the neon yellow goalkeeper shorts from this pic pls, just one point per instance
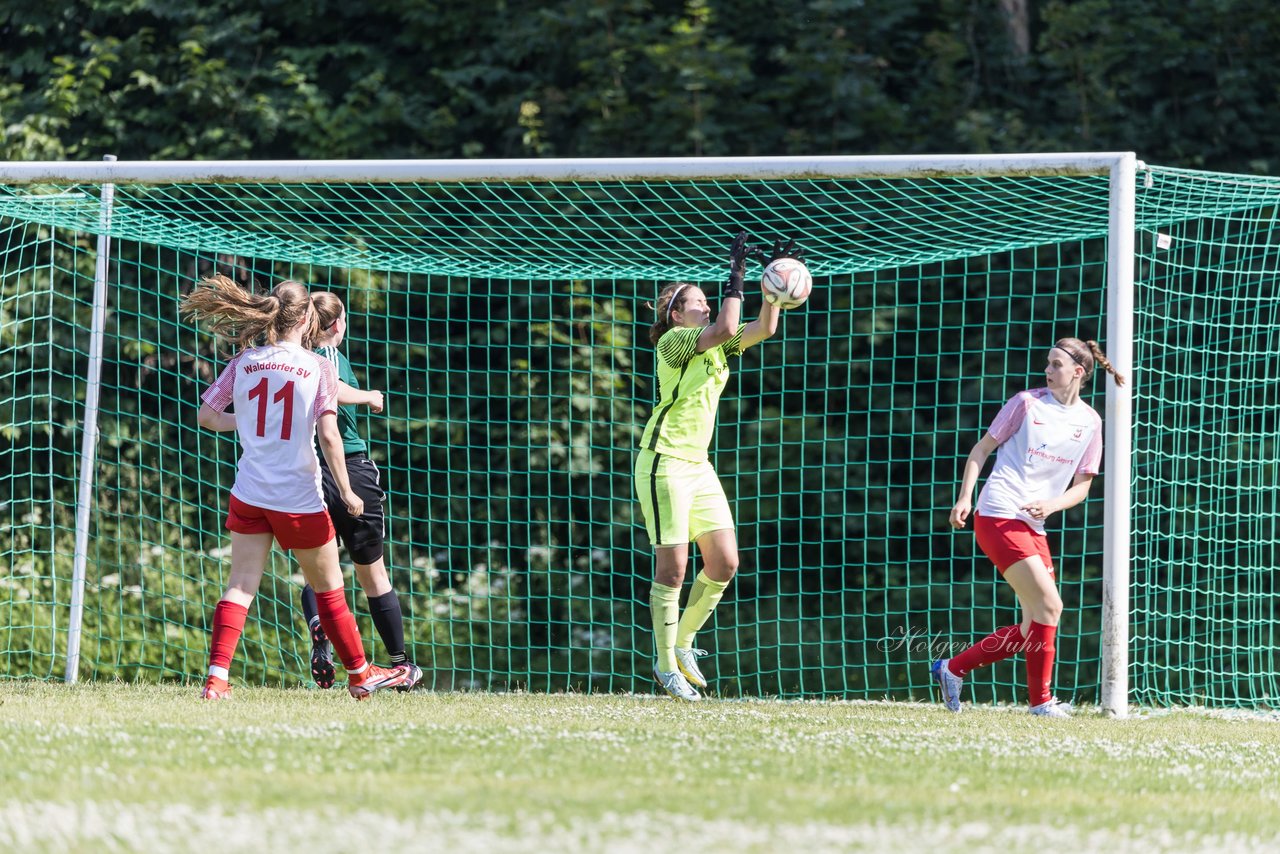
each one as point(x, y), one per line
point(680, 500)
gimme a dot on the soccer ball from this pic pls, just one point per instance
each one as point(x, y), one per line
point(787, 283)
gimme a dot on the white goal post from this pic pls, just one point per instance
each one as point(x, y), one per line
point(1121, 167)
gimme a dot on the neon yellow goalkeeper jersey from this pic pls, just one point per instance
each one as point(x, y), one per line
point(689, 387)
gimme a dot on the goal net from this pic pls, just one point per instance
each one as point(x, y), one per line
point(502, 312)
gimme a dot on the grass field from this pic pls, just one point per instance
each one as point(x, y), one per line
point(122, 767)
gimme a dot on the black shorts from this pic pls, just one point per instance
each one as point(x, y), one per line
point(363, 535)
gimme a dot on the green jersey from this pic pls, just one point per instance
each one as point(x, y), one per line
point(352, 443)
point(689, 387)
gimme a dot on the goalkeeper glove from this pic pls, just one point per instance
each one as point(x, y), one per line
point(739, 252)
point(784, 248)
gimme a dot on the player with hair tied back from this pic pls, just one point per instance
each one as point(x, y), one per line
point(362, 534)
point(284, 395)
point(680, 495)
point(1049, 445)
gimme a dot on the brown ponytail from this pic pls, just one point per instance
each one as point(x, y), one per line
point(1101, 358)
point(242, 316)
point(1086, 354)
point(328, 308)
point(665, 308)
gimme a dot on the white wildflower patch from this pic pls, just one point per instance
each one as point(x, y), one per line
point(46, 825)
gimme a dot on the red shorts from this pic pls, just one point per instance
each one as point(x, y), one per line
point(291, 530)
point(1007, 541)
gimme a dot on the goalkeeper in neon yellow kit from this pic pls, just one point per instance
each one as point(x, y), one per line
point(679, 493)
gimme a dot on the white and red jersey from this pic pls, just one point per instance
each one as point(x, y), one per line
point(279, 393)
point(1043, 446)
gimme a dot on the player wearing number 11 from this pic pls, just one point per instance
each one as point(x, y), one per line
point(283, 395)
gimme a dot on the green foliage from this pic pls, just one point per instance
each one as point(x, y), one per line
point(1189, 84)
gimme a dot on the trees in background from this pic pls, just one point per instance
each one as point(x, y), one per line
point(1182, 84)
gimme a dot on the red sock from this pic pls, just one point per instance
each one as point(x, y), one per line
point(341, 628)
point(997, 646)
point(228, 625)
point(1040, 653)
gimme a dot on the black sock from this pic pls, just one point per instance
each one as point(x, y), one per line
point(389, 622)
point(310, 609)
